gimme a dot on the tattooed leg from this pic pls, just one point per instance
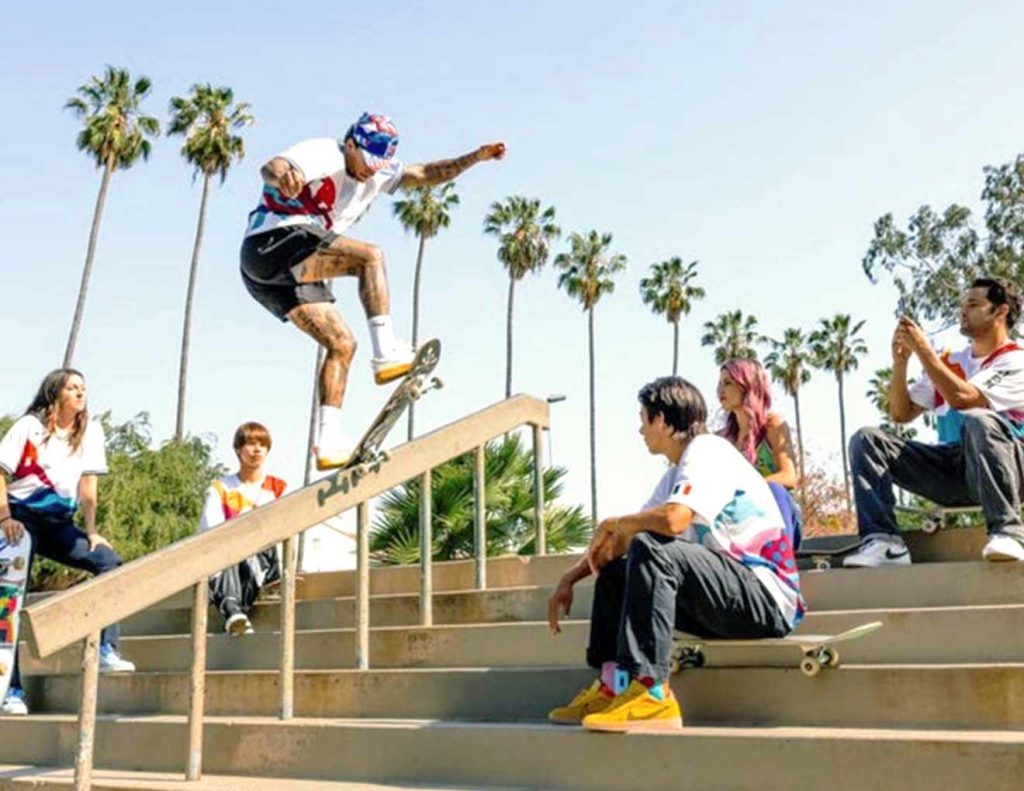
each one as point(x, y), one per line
point(348, 257)
point(322, 322)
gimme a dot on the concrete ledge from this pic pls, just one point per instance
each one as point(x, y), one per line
point(479, 755)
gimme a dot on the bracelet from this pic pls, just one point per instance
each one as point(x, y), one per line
point(6, 518)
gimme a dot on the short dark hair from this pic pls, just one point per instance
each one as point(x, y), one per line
point(1002, 291)
point(678, 402)
point(251, 431)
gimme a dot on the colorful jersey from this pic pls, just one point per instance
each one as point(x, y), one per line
point(45, 471)
point(228, 497)
point(734, 512)
point(330, 199)
point(999, 377)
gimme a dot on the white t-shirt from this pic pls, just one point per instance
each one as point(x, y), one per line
point(45, 471)
point(331, 199)
point(999, 377)
point(734, 512)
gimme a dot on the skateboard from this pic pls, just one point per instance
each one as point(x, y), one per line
point(825, 552)
point(937, 517)
point(816, 651)
point(13, 580)
point(368, 456)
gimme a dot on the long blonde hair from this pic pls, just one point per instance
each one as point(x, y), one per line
point(46, 405)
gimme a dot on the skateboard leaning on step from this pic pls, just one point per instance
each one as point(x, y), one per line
point(13, 581)
point(826, 552)
point(937, 517)
point(368, 455)
point(812, 653)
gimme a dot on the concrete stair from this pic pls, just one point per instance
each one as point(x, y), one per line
point(936, 696)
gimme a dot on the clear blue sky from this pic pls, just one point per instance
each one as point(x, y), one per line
point(761, 139)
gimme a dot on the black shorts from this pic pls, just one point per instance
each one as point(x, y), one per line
point(267, 261)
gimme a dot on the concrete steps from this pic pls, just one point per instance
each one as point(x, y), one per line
point(537, 755)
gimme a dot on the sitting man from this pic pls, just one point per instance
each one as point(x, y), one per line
point(234, 590)
point(980, 390)
point(707, 555)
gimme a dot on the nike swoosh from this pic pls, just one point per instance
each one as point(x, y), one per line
point(890, 556)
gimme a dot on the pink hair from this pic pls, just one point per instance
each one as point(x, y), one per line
point(757, 402)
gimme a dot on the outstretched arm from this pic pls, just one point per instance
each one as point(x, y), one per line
point(431, 173)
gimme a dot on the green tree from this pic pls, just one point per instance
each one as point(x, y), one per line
point(837, 347)
point(789, 363)
point(733, 335)
point(208, 118)
point(509, 510)
point(934, 258)
point(524, 234)
point(878, 394)
point(114, 134)
point(588, 273)
point(425, 212)
point(669, 292)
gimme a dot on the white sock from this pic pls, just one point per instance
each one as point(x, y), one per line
point(330, 423)
point(382, 334)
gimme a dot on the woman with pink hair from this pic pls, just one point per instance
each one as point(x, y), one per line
point(761, 435)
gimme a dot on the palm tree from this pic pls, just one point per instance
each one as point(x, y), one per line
point(114, 134)
point(425, 213)
point(207, 118)
point(836, 347)
point(788, 363)
point(509, 509)
point(733, 335)
point(525, 234)
point(668, 292)
point(588, 271)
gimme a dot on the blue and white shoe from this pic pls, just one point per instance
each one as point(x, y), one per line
point(112, 662)
point(14, 703)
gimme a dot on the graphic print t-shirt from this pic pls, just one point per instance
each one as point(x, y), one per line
point(999, 377)
point(46, 471)
point(734, 512)
point(229, 497)
point(331, 199)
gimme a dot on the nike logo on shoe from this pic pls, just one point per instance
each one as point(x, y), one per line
point(889, 555)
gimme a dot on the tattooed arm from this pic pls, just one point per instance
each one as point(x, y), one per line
point(284, 176)
point(431, 173)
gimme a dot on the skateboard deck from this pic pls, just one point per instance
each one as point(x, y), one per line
point(367, 455)
point(13, 581)
point(825, 552)
point(812, 652)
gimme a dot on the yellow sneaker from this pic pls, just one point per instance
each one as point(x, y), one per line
point(637, 710)
point(588, 701)
point(394, 365)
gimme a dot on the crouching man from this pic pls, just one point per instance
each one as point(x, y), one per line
point(707, 554)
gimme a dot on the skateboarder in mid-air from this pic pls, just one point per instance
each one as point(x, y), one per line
point(313, 192)
point(707, 554)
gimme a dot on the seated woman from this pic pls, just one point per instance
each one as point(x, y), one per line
point(762, 436)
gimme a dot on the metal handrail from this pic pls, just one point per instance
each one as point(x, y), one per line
point(66, 618)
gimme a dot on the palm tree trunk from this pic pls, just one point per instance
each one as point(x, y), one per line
point(593, 421)
point(186, 332)
point(508, 336)
point(842, 431)
point(675, 348)
point(83, 288)
point(800, 449)
point(416, 319)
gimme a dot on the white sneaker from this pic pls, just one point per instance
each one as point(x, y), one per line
point(238, 624)
point(14, 703)
point(879, 549)
point(394, 364)
point(112, 662)
point(333, 449)
point(1003, 547)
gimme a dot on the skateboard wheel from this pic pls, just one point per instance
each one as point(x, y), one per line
point(830, 657)
point(437, 383)
point(931, 525)
point(810, 666)
point(673, 666)
point(822, 564)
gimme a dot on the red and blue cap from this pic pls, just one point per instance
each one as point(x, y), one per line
point(376, 137)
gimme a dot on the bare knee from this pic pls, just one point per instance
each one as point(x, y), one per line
point(341, 344)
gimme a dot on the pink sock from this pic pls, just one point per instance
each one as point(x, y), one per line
point(608, 674)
